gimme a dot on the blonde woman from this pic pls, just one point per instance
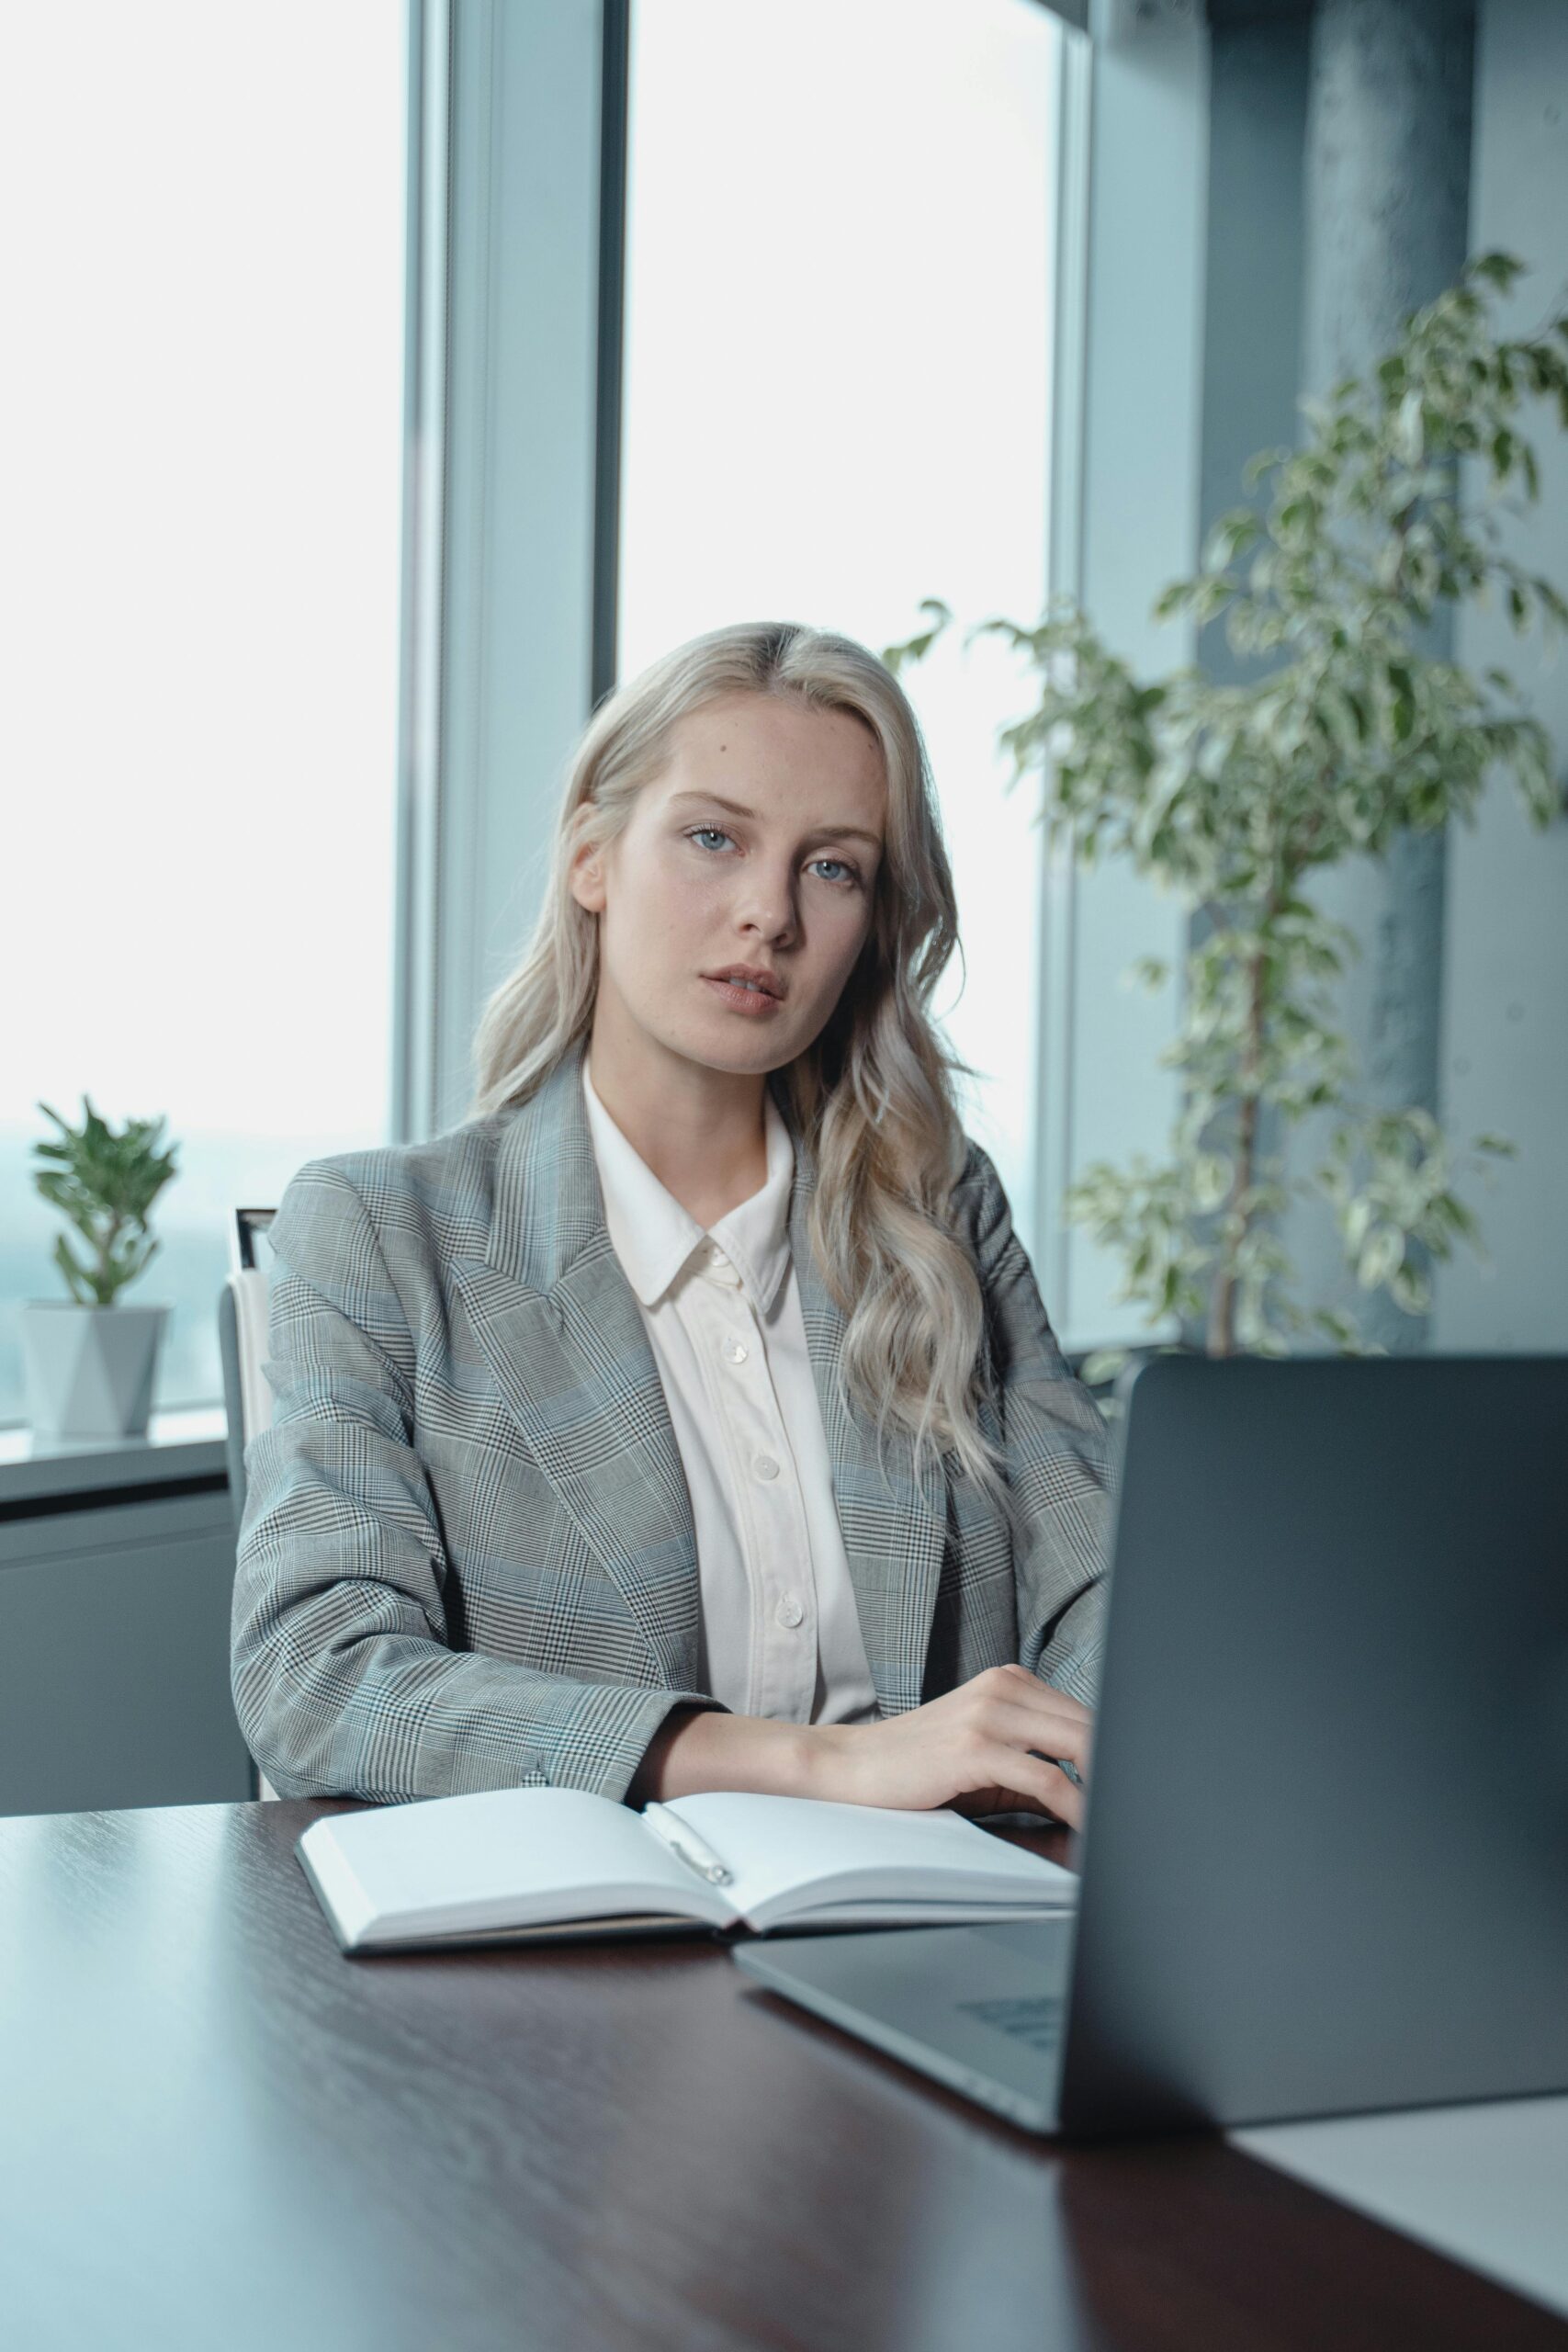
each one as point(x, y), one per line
point(688, 1418)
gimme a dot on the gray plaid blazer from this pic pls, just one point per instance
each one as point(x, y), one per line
point(467, 1559)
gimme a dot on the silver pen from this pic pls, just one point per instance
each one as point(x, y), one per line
point(684, 1841)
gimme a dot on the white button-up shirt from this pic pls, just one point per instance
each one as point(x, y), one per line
point(781, 1635)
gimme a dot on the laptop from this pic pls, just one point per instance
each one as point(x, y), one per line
point(1325, 1863)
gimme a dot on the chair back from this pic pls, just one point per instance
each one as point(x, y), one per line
point(243, 1341)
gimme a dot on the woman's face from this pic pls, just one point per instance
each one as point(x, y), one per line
point(734, 903)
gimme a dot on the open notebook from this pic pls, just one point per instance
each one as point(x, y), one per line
point(511, 1864)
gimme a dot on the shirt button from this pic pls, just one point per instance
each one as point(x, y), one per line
point(789, 1611)
point(735, 1351)
point(766, 1467)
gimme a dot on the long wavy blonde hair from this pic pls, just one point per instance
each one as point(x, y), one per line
point(872, 1098)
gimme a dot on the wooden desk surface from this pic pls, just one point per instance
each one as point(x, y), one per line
point(215, 2131)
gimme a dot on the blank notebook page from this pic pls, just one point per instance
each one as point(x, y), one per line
point(485, 1850)
point(773, 1844)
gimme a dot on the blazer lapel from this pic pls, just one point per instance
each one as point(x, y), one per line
point(893, 1521)
point(563, 1337)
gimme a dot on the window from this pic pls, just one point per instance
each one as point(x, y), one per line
point(840, 242)
point(200, 470)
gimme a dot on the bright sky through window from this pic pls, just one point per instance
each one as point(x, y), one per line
point(838, 356)
point(201, 269)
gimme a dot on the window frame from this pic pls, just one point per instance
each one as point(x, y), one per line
point(481, 760)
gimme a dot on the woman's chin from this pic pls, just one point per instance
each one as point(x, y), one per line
point(732, 1047)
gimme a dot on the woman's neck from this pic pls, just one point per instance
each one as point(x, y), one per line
point(701, 1131)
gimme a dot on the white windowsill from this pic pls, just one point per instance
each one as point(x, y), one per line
point(190, 1443)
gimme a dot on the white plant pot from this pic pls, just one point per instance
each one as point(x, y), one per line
point(90, 1369)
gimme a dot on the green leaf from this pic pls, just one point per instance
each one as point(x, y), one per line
point(1380, 1254)
point(1497, 269)
point(1409, 432)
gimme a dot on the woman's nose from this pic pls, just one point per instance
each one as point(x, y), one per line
point(767, 906)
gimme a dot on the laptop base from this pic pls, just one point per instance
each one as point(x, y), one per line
point(981, 2010)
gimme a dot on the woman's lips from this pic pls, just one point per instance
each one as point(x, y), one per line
point(755, 1002)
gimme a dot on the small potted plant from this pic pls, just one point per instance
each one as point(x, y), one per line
point(90, 1361)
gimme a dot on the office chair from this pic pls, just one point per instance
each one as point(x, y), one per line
point(242, 1343)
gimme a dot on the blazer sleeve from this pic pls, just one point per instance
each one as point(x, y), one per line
point(344, 1679)
point(1057, 1453)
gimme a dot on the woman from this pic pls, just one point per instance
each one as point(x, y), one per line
point(689, 1417)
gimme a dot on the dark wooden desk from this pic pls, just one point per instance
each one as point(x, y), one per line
point(215, 2131)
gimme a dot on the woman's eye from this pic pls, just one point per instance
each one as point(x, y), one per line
point(713, 839)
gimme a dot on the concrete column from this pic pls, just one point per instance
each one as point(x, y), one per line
point(1386, 201)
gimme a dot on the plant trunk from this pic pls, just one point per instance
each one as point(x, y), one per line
point(1222, 1311)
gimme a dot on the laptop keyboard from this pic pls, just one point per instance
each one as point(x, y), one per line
point(1034, 2021)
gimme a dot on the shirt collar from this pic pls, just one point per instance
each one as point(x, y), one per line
point(653, 1236)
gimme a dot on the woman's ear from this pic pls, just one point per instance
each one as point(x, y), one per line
point(585, 874)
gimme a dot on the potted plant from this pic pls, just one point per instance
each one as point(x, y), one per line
point(91, 1361)
point(1346, 731)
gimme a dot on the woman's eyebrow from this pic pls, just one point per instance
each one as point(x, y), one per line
point(816, 832)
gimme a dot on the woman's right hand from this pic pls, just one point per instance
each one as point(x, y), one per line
point(984, 1747)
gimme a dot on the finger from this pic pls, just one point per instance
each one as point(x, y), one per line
point(1061, 1699)
point(1031, 1729)
point(1032, 1776)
